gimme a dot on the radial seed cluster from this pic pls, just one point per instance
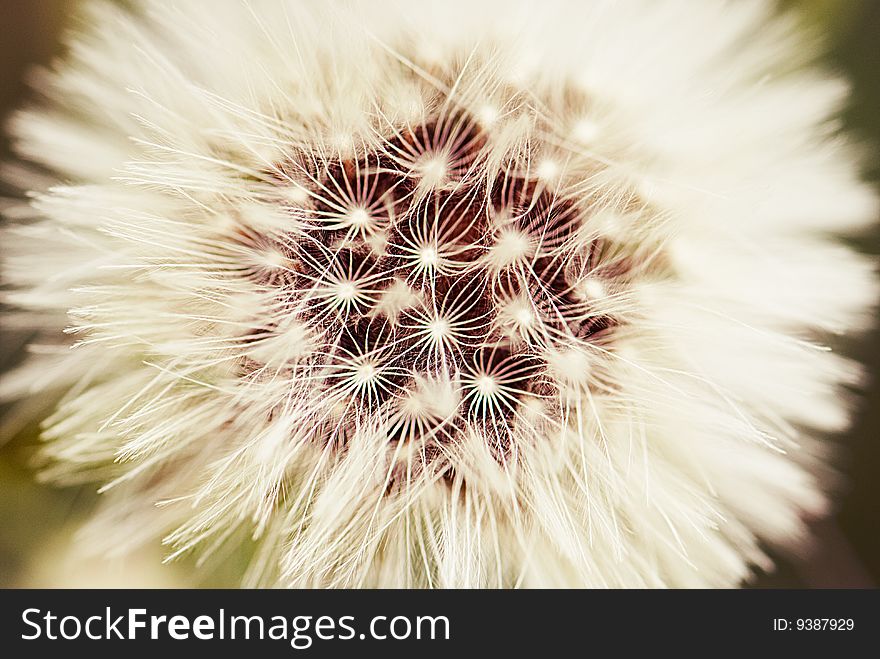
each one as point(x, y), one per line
point(432, 299)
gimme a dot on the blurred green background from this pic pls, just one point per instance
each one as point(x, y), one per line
point(37, 522)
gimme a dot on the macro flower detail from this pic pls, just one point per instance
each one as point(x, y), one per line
point(445, 296)
point(408, 278)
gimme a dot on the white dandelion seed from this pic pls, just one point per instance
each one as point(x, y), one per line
point(472, 294)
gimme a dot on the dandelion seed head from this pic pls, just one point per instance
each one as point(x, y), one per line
point(439, 330)
point(511, 247)
point(346, 291)
point(359, 217)
point(487, 386)
point(433, 168)
point(428, 256)
point(500, 305)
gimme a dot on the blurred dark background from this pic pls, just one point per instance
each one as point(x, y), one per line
point(37, 521)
